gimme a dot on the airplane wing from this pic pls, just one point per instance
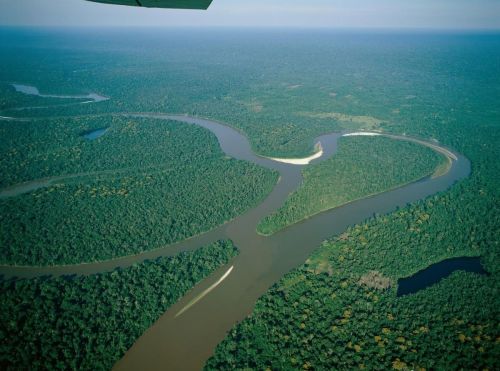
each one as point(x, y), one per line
point(178, 4)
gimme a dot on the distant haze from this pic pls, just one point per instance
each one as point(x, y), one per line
point(435, 14)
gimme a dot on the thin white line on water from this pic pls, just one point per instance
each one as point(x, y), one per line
point(361, 133)
point(204, 293)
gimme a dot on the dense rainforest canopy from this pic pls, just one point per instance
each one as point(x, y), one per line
point(283, 90)
point(88, 322)
point(144, 184)
point(340, 309)
point(362, 167)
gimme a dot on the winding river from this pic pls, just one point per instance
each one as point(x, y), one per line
point(186, 341)
point(184, 337)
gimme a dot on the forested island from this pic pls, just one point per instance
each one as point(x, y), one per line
point(363, 166)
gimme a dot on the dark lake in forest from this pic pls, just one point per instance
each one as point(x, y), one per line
point(436, 272)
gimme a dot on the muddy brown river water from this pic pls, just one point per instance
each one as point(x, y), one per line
point(185, 336)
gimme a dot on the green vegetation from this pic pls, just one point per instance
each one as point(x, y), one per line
point(446, 89)
point(314, 323)
point(336, 81)
point(146, 183)
point(340, 310)
point(283, 89)
point(87, 323)
point(363, 166)
point(55, 147)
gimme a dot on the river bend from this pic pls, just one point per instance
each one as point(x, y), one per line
point(185, 341)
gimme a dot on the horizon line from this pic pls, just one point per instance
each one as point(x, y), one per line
point(258, 27)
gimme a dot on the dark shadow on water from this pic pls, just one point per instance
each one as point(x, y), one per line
point(436, 272)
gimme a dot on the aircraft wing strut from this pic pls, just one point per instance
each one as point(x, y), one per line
point(177, 4)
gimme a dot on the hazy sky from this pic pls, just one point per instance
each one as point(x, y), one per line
point(455, 14)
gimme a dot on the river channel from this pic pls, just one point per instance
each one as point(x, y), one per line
point(185, 336)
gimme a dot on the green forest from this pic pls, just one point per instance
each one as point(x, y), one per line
point(88, 322)
point(337, 81)
point(40, 148)
point(340, 310)
point(144, 184)
point(322, 316)
point(363, 166)
point(282, 89)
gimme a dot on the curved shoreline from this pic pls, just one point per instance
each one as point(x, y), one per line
point(300, 161)
point(186, 341)
point(402, 185)
point(217, 128)
point(32, 185)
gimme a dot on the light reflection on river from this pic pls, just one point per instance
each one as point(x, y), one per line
point(32, 90)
